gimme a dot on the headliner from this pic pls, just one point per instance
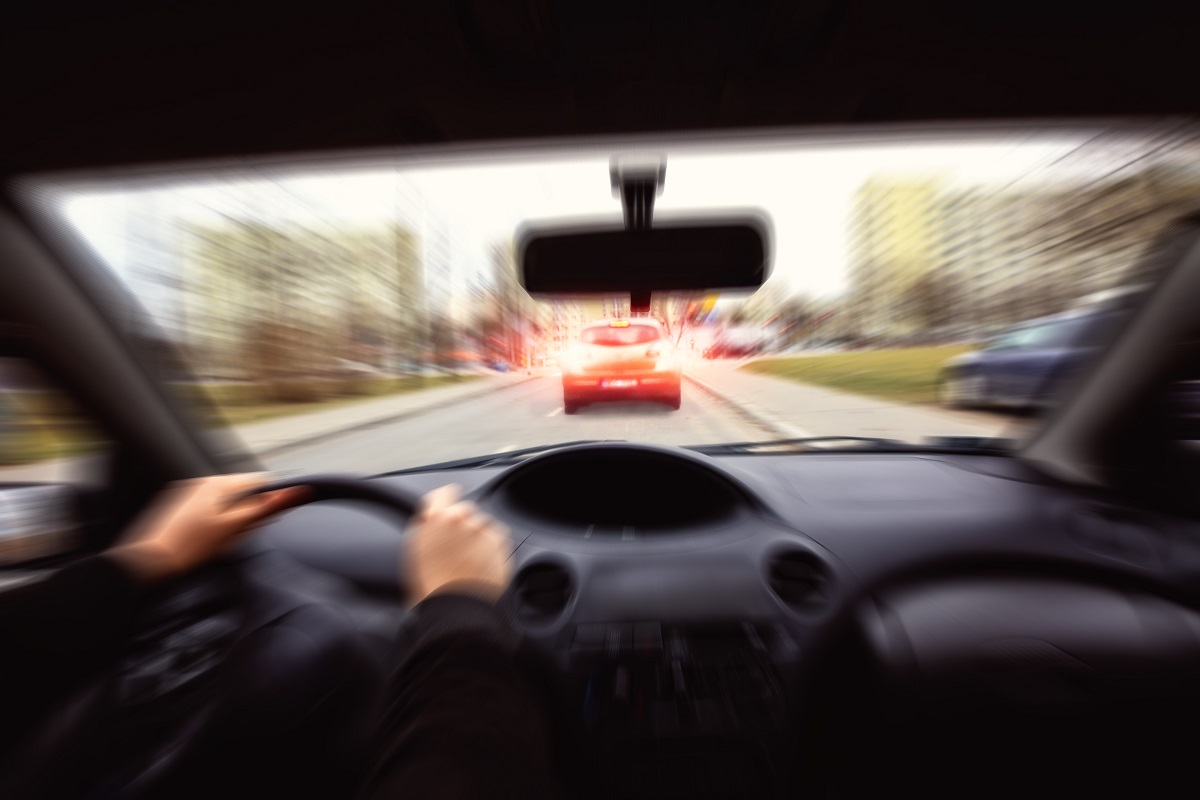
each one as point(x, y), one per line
point(139, 81)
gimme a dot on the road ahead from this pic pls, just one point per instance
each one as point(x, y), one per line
point(524, 415)
point(721, 403)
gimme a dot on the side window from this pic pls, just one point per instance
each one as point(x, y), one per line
point(1051, 334)
point(1060, 333)
point(1089, 330)
point(48, 449)
point(1009, 341)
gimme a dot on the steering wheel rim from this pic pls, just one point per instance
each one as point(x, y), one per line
point(345, 487)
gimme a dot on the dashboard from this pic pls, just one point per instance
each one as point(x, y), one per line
point(720, 621)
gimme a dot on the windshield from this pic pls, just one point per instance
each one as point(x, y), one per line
point(616, 335)
point(367, 316)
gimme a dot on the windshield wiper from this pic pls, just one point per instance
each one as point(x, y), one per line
point(939, 444)
point(806, 443)
point(495, 459)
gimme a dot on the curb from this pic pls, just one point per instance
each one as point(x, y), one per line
point(746, 412)
point(364, 424)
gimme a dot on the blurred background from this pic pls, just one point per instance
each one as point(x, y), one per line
point(370, 317)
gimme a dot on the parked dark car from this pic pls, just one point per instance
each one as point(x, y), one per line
point(1023, 366)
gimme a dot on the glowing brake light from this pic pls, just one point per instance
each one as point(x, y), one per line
point(619, 323)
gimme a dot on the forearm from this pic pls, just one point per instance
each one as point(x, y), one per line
point(461, 720)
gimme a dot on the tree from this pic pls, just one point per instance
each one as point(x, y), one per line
point(933, 301)
point(443, 339)
point(354, 290)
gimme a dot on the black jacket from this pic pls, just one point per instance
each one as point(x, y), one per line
point(460, 718)
point(56, 632)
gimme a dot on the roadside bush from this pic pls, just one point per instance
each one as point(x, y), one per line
point(39, 424)
point(907, 375)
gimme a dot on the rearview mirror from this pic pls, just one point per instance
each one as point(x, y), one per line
point(697, 254)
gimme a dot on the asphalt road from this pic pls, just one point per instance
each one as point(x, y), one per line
point(524, 415)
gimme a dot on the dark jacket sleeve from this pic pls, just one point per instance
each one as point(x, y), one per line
point(54, 631)
point(461, 719)
point(79, 608)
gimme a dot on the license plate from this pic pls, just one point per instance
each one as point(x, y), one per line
point(618, 384)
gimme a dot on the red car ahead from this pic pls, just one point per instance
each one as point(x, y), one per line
point(622, 359)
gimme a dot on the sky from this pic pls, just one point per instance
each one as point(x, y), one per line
point(807, 193)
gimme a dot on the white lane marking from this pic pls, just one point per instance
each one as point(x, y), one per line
point(748, 410)
point(588, 535)
point(555, 412)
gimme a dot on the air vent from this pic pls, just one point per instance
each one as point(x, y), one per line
point(801, 580)
point(542, 592)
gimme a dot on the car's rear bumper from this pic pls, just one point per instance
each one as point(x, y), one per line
point(624, 383)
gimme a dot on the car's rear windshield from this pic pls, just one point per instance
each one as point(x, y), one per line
point(615, 336)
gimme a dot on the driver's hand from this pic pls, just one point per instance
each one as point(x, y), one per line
point(193, 521)
point(454, 547)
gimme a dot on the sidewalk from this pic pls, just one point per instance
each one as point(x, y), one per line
point(272, 436)
point(790, 409)
point(275, 435)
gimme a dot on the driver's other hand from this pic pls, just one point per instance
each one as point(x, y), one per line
point(453, 547)
point(193, 521)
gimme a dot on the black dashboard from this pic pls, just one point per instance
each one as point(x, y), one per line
point(698, 616)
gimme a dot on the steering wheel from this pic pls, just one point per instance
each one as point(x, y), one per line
point(346, 487)
point(218, 662)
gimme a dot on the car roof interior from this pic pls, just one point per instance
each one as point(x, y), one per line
point(237, 80)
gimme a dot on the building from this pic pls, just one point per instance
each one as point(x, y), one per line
point(931, 256)
point(895, 239)
point(317, 294)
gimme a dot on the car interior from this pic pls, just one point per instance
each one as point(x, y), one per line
point(953, 619)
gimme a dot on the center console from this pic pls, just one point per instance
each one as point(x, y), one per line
point(683, 710)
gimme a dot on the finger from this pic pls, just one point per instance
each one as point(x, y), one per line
point(478, 524)
point(439, 500)
point(455, 516)
point(239, 482)
point(222, 491)
point(247, 511)
point(256, 508)
point(463, 510)
point(283, 499)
